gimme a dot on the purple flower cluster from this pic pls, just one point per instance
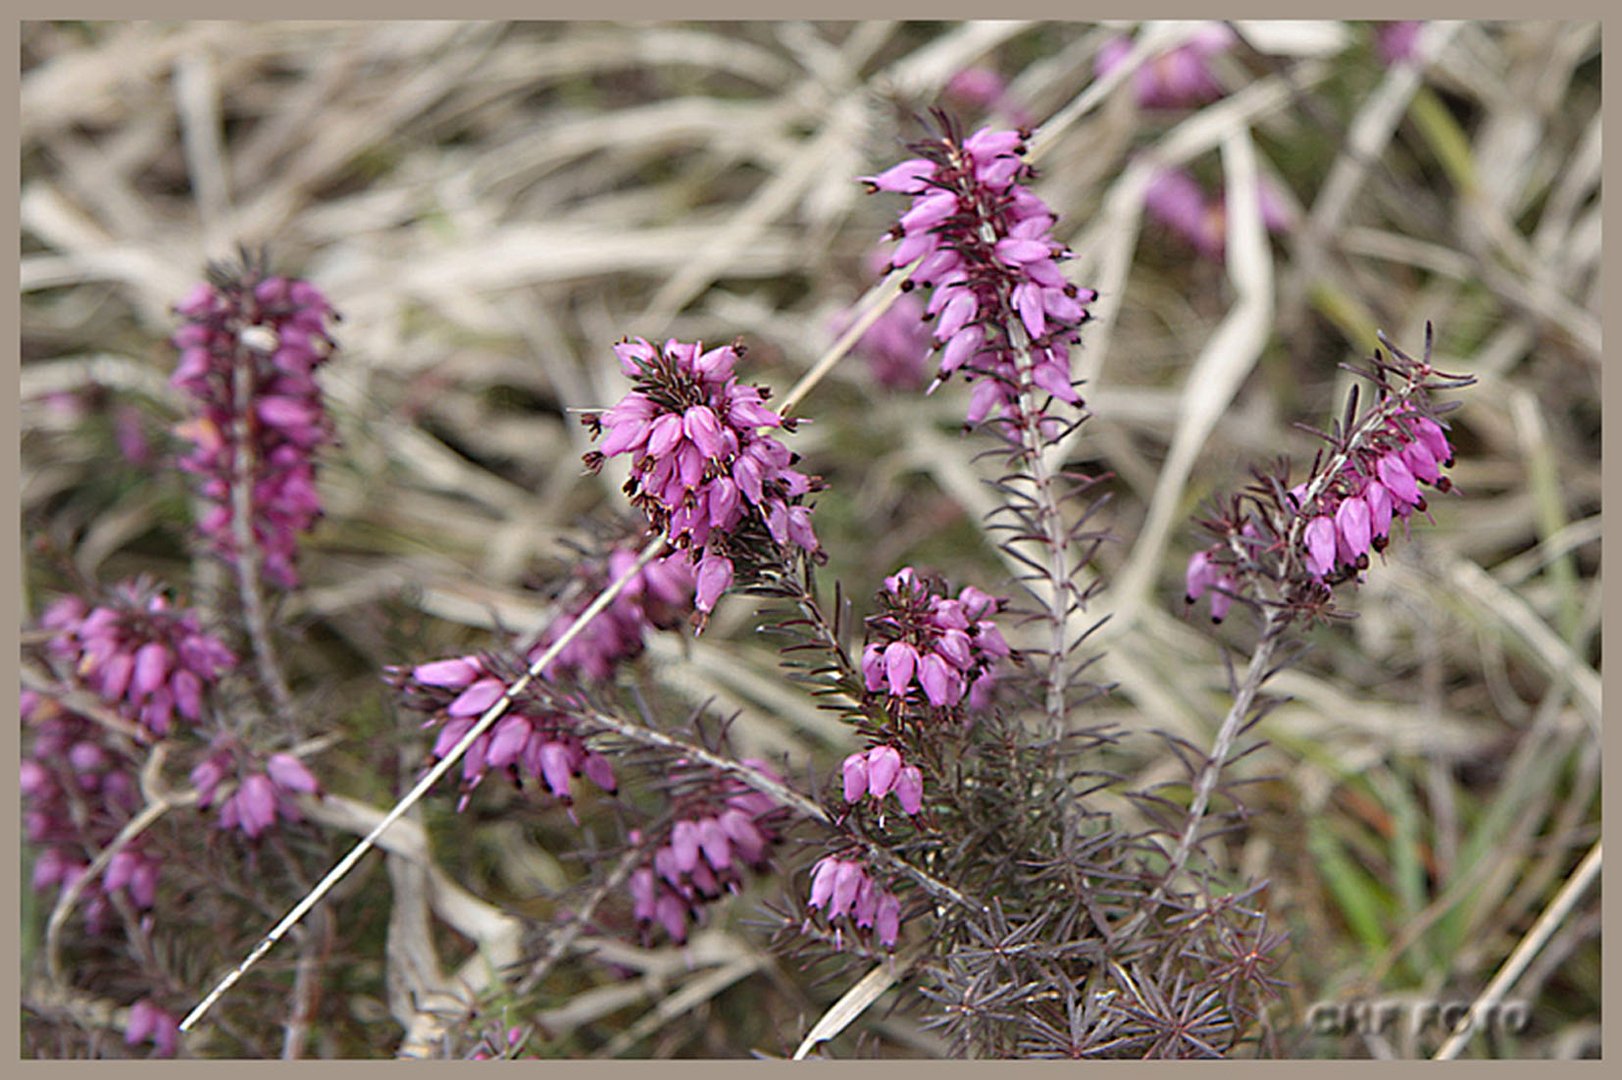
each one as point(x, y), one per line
point(277, 328)
point(79, 790)
point(1178, 79)
point(878, 772)
point(260, 796)
point(1335, 520)
point(150, 1023)
point(700, 466)
point(1354, 513)
point(948, 648)
point(843, 888)
point(527, 742)
point(658, 597)
point(1176, 200)
point(985, 246)
point(704, 853)
point(143, 657)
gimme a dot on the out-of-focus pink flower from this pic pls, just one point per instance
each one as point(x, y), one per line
point(1397, 42)
point(897, 345)
point(143, 657)
point(79, 789)
point(658, 596)
point(262, 795)
point(983, 89)
point(703, 857)
point(1176, 200)
point(1177, 79)
point(149, 1023)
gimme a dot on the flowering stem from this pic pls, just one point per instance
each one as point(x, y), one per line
point(444, 765)
point(1256, 673)
point(246, 562)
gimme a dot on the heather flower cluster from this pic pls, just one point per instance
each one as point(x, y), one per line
point(260, 795)
point(983, 242)
point(248, 353)
point(656, 597)
point(1355, 512)
point(149, 1022)
point(146, 659)
point(1319, 533)
point(921, 640)
point(877, 772)
point(701, 469)
point(79, 790)
point(843, 889)
point(723, 831)
point(530, 741)
point(1177, 201)
point(1178, 79)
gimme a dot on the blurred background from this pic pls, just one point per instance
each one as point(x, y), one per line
point(491, 205)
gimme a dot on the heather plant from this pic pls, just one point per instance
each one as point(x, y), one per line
point(863, 717)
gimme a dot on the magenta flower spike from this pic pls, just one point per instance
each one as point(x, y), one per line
point(248, 352)
point(984, 246)
point(1292, 545)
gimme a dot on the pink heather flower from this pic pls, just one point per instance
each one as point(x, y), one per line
point(658, 597)
point(877, 772)
point(149, 1023)
point(1299, 542)
point(843, 890)
point(1397, 42)
point(79, 789)
point(1176, 79)
point(259, 798)
point(940, 645)
point(985, 249)
point(277, 328)
point(909, 789)
point(528, 742)
point(701, 469)
point(149, 661)
point(730, 829)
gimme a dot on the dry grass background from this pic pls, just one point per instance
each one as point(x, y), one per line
point(491, 205)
